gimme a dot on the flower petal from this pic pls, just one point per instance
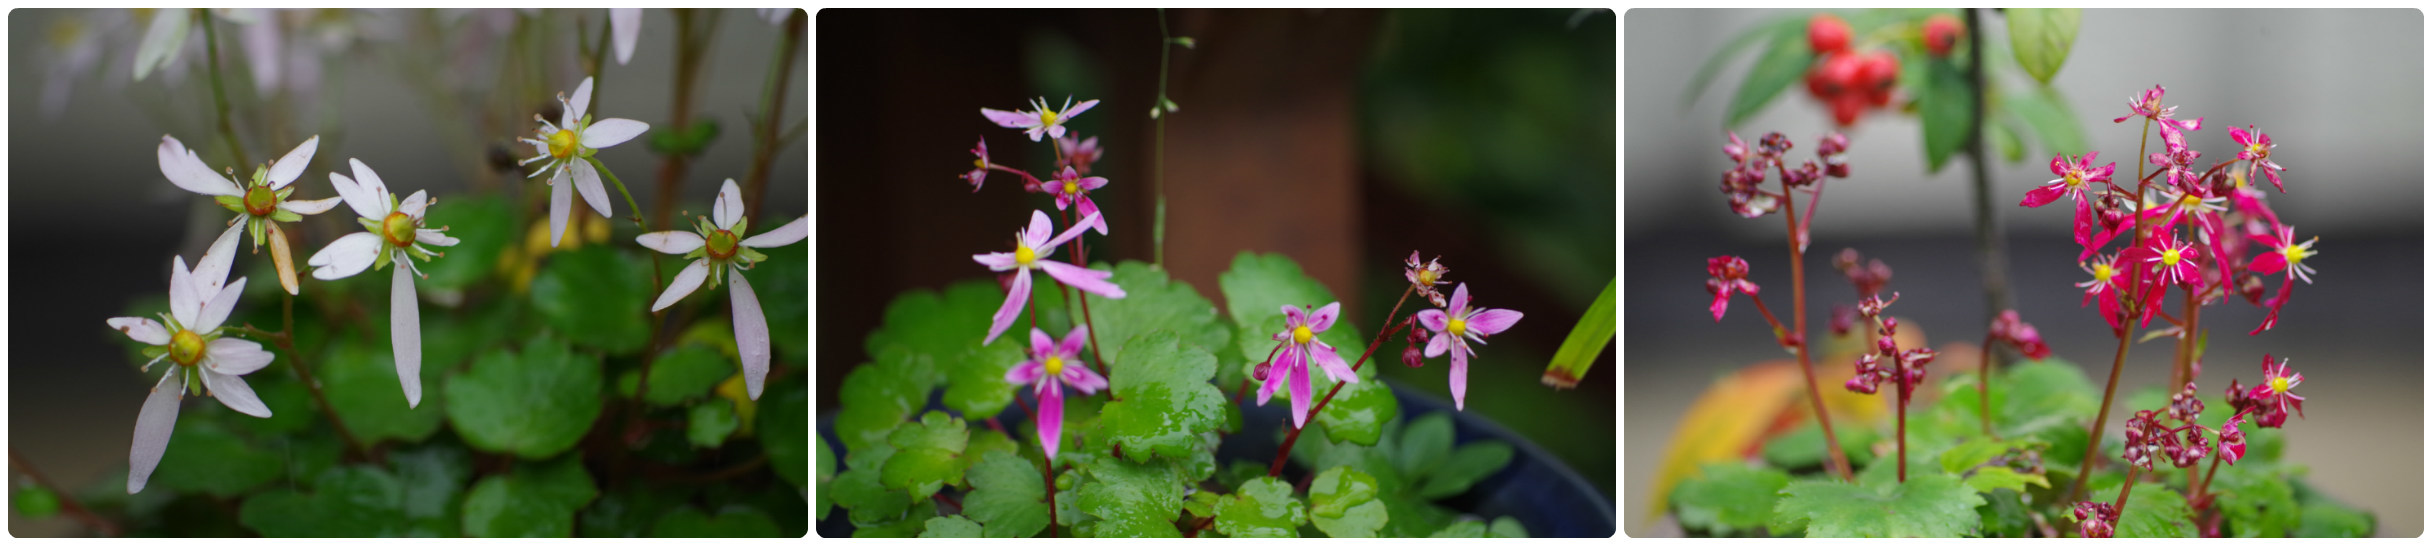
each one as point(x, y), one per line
point(1332, 362)
point(234, 393)
point(1077, 109)
point(1324, 318)
point(289, 167)
point(1080, 377)
point(1460, 298)
point(1087, 221)
point(1293, 317)
point(1275, 375)
point(786, 234)
point(1040, 344)
point(152, 427)
point(1025, 373)
point(729, 206)
point(1086, 280)
point(751, 331)
point(413, 205)
point(587, 182)
point(233, 356)
point(375, 194)
point(186, 170)
point(211, 271)
point(611, 132)
point(1089, 209)
point(1300, 396)
point(309, 206)
point(671, 242)
point(1051, 420)
point(142, 330)
point(2268, 263)
point(214, 311)
point(1010, 120)
point(1038, 233)
point(996, 261)
point(1015, 296)
point(578, 104)
point(185, 299)
point(405, 333)
point(561, 201)
point(1073, 341)
point(1492, 321)
point(625, 24)
point(345, 257)
point(434, 237)
point(685, 282)
point(1433, 320)
point(1439, 343)
point(1460, 378)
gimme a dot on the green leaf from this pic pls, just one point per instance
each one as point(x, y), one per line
point(2048, 114)
point(483, 225)
point(1201, 503)
point(857, 489)
point(210, 459)
point(1151, 303)
point(34, 502)
point(784, 428)
point(1425, 443)
point(535, 500)
point(944, 329)
point(708, 424)
point(1506, 527)
point(1256, 288)
point(1360, 411)
point(686, 373)
point(1803, 447)
point(629, 511)
point(877, 397)
point(2005, 515)
point(434, 478)
point(1007, 495)
point(908, 527)
point(2041, 38)
point(346, 502)
point(535, 404)
point(1163, 402)
point(2331, 520)
point(2256, 499)
point(1728, 498)
point(927, 455)
point(2004, 137)
point(2152, 512)
point(1946, 110)
point(1133, 499)
point(360, 381)
point(1785, 59)
point(950, 527)
point(1586, 341)
point(1466, 528)
point(1343, 503)
point(731, 522)
point(1263, 508)
point(1990, 478)
point(1929, 504)
point(1731, 49)
point(597, 297)
point(1472, 462)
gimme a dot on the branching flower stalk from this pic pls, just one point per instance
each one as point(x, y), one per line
point(1747, 198)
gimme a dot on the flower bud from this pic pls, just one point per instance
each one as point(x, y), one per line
point(1413, 357)
point(1729, 268)
point(1843, 317)
point(1259, 373)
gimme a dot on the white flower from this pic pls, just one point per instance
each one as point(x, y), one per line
point(169, 35)
point(189, 336)
point(568, 145)
point(395, 234)
point(718, 247)
point(625, 24)
point(260, 204)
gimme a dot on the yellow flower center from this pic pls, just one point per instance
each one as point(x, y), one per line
point(1055, 365)
point(186, 348)
point(721, 244)
point(260, 201)
point(2294, 254)
point(1427, 276)
point(1456, 326)
point(2073, 179)
point(2190, 201)
point(1023, 255)
point(979, 163)
point(1301, 334)
point(2103, 272)
point(563, 143)
point(398, 229)
point(1047, 117)
point(2170, 257)
point(2258, 149)
point(1072, 188)
point(2279, 385)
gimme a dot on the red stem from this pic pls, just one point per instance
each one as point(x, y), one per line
point(1798, 311)
point(1779, 333)
point(2094, 436)
point(1285, 452)
point(1984, 382)
point(66, 501)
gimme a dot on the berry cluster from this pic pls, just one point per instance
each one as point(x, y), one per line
point(1849, 81)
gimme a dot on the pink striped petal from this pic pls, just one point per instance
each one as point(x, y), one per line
point(1089, 209)
point(1300, 396)
point(1017, 295)
point(1434, 320)
point(1039, 232)
point(1460, 298)
point(1332, 362)
point(1025, 373)
point(2268, 263)
point(1324, 318)
point(1081, 378)
point(1041, 344)
point(1051, 420)
point(1086, 280)
point(1492, 321)
point(1010, 120)
point(1073, 342)
point(1438, 344)
point(996, 261)
point(1293, 318)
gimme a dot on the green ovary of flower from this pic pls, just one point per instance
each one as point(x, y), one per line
point(398, 229)
point(721, 244)
point(1055, 366)
point(261, 201)
point(1456, 326)
point(1301, 334)
point(564, 143)
point(186, 348)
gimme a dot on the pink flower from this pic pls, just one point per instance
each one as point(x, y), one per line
point(2179, 203)
point(2008, 328)
point(1737, 149)
point(1425, 278)
point(1078, 152)
point(1043, 121)
point(1456, 326)
point(2095, 519)
point(2107, 284)
point(1726, 275)
point(1301, 348)
point(2286, 253)
point(979, 168)
point(2273, 317)
point(2179, 162)
point(1070, 186)
point(2174, 260)
point(2149, 105)
point(2233, 441)
point(2075, 179)
point(1053, 366)
point(2272, 398)
point(2258, 150)
point(1030, 250)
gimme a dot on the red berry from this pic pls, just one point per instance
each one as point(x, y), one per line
point(1827, 33)
point(1845, 108)
point(1837, 75)
point(1941, 31)
point(1877, 70)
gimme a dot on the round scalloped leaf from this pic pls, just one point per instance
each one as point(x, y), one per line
point(686, 373)
point(736, 521)
point(1343, 503)
point(945, 329)
point(858, 491)
point(482, 224)
point(534, 500)
point(2153, 512)
point(1132, 499)
point(1929, 504)
point(877, 397)
point(345, 502)
point(360, 381)
point(2256, 498)
point(1151, 303)
point(597, 297)
point(534, 404)
point(784, 429)
point(928, 455)
point(1164, 403)
point(212, 460)
point(1728, 496)
point(1263, 508)
point(950, 527)
point(709, 423)
point(1007, 496)
point(1472, 462)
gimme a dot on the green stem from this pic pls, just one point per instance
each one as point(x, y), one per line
point(1165, 55)
point(620, 189)
point(219, 91)
point(772, 107)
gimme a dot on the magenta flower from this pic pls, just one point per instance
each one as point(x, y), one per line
point(2074, 181)
point(2010, 329)
point(2096, 519)
point(2178, 162)
point(2258, 150)
point(1727, 275)
point(979, 168)
point(1053, 366)
point(2286, 253)
point(1456, 326)
point(1425, 278)
point(2272, 398)
point(2233, 441)
point(2149, 105)
point(1030, 249)
point(1301, 348)
point(2107, 285)
point(1070, 186)
point(1079, 152)
point(2178, 203)
point(1044, 121)
point(2273, 317)
point(2174, 260)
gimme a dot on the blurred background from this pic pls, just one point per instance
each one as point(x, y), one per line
point(431, 99)
point(1344, 139)
point(2341, 92)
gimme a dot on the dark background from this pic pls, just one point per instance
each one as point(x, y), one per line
point(1342, 138)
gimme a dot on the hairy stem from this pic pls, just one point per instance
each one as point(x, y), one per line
point(1165, 56)
point(1798, 311)
point(219, 91)
point(1284, 453)
point(285, 339)
point(2133, 310)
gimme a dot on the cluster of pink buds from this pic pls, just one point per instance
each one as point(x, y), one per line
point(1868, 278)
point(1904, 367)
point(2010, 330)
point(2097, 519)
point(1743, 183)
point(1727, 275)
point(2183, 446)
